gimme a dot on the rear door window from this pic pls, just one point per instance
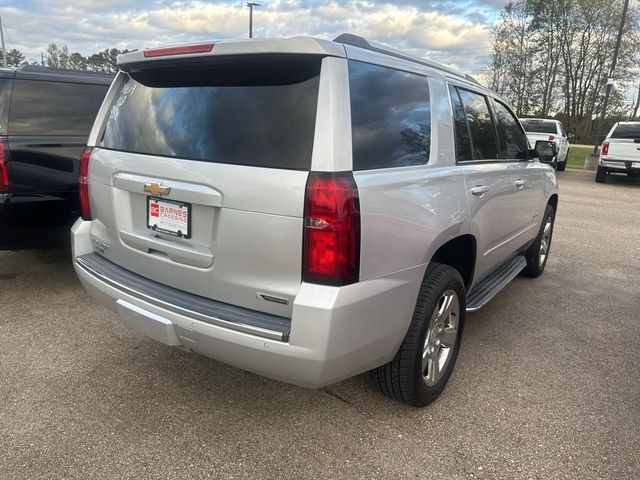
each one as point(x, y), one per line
point(628, 130)
point(513, 141)
point(259, 113)
point(464, 151)
point(480, 122)
point(390, 117)
point(54, 108)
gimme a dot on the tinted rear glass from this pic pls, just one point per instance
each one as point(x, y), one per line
point(252, 112)
point(54, 108)
point(539, 127)
point(390, 117)
point(5, 97)
point(627, 131)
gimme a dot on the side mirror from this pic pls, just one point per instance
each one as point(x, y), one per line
point(571, 135)
point(545, 151)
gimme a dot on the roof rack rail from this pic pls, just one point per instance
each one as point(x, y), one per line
point(43, 69)
point(357, 41)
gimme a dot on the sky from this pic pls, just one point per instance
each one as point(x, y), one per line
point(456, 33)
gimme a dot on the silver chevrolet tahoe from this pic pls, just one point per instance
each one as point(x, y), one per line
point(308, 209)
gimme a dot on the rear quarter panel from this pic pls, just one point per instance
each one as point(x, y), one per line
point(409, 212)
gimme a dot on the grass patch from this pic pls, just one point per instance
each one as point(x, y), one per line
point(577, 156)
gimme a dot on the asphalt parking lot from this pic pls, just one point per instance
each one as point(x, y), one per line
point(547, 385)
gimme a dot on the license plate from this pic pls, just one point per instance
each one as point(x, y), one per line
point(635, 165)
point(169, 217)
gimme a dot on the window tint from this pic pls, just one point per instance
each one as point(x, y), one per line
point(54, 108)
point(513, 142)
point(483, 137)
point(5, 97)
point(536, 126)
point(627, 130)
point(390, 117)
point(463, 138)
point(249, 112)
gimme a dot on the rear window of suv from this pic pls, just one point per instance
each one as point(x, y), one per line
point(539, 127)
point(629, 130)
point(255, 112)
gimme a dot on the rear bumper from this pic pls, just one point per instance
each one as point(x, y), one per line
point(334, 333)
point(620, 165)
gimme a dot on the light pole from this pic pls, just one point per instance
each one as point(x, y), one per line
point(251, 5)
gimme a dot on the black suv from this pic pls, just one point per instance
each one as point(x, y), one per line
point(45, 118)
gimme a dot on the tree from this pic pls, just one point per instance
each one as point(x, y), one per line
point(77, 61)
point(15, 58)
point(553, 57)
point(57, 56)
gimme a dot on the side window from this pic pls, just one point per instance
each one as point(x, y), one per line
point(463, 137)
point(54, 108)
point(390, 117)
point(483, 136)
point(513, 142)
point(5, 96)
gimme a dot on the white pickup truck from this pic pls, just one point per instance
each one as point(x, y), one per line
point(552, 131)
point(620, 152)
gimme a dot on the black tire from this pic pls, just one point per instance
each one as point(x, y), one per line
point(403, 378)
point(533, 255)
point(561, 166)
point(601, 174)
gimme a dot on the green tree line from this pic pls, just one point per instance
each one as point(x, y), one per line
point(58, 56)
point(552, 58)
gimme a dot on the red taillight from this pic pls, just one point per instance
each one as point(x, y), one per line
point(181, 49)
point(551, 138)
point(85, 209)
point(605, 149)
point(331, 252)
point(4, 167)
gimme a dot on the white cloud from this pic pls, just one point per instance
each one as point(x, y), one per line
point(425, 28)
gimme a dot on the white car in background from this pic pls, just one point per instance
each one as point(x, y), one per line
point(552, 131)
point(620, 151)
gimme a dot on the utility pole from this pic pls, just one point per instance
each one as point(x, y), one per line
point(609, 85)
point(251, 5)
point(4, 50)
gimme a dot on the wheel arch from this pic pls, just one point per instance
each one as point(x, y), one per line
point(459, 253)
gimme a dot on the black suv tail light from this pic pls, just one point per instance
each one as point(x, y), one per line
point(85, 208)
point(331, 249)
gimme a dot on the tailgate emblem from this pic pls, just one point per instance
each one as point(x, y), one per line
point(156, 188)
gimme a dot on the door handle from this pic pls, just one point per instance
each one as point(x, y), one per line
point(520, 183)
point(479, 190)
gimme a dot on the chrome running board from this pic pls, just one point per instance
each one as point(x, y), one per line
point(488, 288)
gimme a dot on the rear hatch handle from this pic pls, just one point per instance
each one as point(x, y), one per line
point(193, 255)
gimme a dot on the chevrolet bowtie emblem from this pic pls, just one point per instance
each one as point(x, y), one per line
point(156, 189)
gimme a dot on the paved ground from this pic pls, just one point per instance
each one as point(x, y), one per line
point(546, 386)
